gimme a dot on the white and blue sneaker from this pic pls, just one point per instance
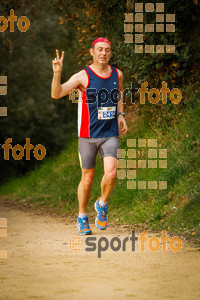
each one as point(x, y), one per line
point(101, 220)
point(83, 226)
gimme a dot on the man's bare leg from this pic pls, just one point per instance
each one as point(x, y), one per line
point(107, 184)
point(109, 177)
point(84, 188)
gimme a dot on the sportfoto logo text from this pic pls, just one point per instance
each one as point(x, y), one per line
point(115, 244)
point(153, 95)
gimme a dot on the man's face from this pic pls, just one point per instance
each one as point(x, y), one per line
point(101, 53)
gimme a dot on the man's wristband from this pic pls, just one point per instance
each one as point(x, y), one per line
point(121, 113)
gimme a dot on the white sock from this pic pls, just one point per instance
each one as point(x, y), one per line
point(80, 215)
point(102, 203)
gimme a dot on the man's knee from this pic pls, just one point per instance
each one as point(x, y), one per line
point(111, 175)
point(87, 178)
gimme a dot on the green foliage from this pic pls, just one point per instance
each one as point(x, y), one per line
point(27, 62)
point(72, 26)
point(106, 18)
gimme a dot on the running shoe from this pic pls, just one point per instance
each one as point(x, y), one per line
point(101, 220)
point(83, 226)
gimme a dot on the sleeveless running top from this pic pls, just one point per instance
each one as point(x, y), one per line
point(97, 106)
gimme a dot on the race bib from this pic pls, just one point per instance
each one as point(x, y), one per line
point(106, 113)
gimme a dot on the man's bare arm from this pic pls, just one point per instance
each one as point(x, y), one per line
point(58, 90)
point(121, 119)
point(121, 94)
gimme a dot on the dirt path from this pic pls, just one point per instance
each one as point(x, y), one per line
point(41, 265)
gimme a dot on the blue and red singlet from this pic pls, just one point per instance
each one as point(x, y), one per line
point(97, 107)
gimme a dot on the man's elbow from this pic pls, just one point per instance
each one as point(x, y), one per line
point(55, 96)
point(56, 93)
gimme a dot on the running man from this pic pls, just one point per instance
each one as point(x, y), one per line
point(100, 120)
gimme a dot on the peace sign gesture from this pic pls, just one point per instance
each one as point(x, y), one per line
point(57, 63)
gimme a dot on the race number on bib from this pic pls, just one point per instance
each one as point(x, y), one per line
point(106, 113)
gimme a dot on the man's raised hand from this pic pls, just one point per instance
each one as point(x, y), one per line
point(57, 63)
